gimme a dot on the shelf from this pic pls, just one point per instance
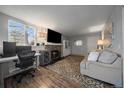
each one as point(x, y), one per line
point(59, 44)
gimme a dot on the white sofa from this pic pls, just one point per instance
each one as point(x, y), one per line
point(111, 73)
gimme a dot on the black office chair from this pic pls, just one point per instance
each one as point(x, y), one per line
point(26, 59)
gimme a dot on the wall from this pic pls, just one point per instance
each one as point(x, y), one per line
point(118, 33)
point(117, 29)
point(92, 41)
point(78, 50)
point(65, 51)
point(89, 44)
point(123, 40)
point(4, 27)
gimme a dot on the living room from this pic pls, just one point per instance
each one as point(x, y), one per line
point(73, 48)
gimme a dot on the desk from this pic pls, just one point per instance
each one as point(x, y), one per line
point(3, 60)
point(4, 67)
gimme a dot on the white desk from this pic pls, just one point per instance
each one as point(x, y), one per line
point(4, 66)
point(7, 59)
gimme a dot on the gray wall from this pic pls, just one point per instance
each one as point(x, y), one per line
point(4, 27)
point(89, 43)
point(123, 40)
point(117, 29)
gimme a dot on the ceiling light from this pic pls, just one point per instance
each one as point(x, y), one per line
point(96, 28)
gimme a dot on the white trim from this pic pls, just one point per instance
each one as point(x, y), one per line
point(123, 40)
point(48, 43)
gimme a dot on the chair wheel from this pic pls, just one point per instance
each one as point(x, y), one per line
point(33, 70)
point(18, 81)
point(32, 75)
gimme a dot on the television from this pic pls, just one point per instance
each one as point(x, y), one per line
point(9, 49)
point(53, 36)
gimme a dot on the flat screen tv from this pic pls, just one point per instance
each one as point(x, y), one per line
point(53, 36)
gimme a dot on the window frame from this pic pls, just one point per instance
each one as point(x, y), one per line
point(78, 43)
point(24, 31)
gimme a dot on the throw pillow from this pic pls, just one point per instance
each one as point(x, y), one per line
point(93, 56)
point(107, 57)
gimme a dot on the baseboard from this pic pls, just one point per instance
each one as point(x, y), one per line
point(77, 55)
point(65, 56)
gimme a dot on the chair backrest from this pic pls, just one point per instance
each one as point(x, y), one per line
point(26, 58)
point(22, 48)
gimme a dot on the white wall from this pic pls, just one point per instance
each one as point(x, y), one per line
point(66, 51)
point(78, 50)
point(89, 44)
point(4, 27)
point(92, 41)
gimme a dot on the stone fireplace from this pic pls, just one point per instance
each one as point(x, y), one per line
point(54, 51)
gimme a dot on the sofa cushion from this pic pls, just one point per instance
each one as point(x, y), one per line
point(107, 57)
point(93, 56)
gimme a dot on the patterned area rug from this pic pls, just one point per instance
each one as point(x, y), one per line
point(70, 69)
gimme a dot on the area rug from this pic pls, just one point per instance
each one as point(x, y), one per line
point(69, 67)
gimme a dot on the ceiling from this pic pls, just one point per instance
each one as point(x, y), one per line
point(69, 20)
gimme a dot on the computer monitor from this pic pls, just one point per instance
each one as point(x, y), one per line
point(9, 49)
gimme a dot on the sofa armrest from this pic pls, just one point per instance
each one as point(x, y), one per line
point(84, 63)
point(116, 65)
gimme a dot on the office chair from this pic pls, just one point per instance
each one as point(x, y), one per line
point(26, 59)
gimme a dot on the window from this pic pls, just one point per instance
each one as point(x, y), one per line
point(20, 33)
point(30, 35)
point(16, 32)
point(78, 43)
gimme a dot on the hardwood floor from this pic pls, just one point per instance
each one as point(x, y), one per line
point(45, 78)
point(62, 74)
